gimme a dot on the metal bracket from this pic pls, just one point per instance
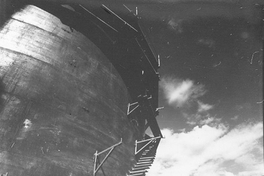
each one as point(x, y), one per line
point(158, 61)
point(129, 111)
point(148, 141)
point(98, 165)
point(146, 96)
point(159, 108)
point(136, 104)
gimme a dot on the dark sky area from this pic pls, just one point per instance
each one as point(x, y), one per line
point(216, 45)
point(211, 86)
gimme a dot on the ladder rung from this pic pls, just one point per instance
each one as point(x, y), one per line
point(139, 171)
point(141, 164)
point(144, 162)
point(147, 157)
point(140, 174)
point(140, 167)
point(137, 165)
point(136, 174)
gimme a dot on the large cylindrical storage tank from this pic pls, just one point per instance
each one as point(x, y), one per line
point(61, 100)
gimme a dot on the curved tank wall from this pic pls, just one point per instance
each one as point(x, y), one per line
point(60, 101)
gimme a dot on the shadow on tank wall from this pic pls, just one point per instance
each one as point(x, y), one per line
point(69, 100)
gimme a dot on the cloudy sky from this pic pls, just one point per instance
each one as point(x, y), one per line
point(210, 88)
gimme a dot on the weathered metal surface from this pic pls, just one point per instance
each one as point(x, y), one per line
point(127, 49)
point(60, 101)
point(119, 37)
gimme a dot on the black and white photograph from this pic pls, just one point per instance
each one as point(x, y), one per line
point(131, 87)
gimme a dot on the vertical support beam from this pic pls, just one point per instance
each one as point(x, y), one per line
point(158, 61)
point(95, 162)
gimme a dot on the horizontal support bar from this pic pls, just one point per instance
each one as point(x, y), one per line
point(131, 104)
point(150, 139)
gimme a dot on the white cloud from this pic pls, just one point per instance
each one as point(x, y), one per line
point(235, 118)
point(180, 92)
point(185, 94)
point(201, 119)
point(212, 151)
point(210, 121)
point(204, 107)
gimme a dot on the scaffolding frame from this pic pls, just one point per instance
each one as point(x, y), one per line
point(96, 157)
point(149, 141)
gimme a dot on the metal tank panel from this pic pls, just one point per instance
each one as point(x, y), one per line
point(61, 101)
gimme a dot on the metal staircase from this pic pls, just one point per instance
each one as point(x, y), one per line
point(144, 156)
